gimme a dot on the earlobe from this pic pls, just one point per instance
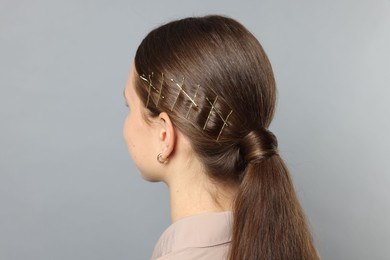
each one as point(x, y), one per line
point(167, 136)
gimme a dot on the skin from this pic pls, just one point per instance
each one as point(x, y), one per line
point(191, 191)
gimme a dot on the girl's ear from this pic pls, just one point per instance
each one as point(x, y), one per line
point(167, 135)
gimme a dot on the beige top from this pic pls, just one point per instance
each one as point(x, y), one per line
point(203, 236)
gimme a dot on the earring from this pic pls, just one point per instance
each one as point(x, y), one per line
point(160, 160)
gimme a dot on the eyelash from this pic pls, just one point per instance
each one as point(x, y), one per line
point(126, 105)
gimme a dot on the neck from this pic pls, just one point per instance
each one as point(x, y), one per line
point(194, 194)
point(191, 190)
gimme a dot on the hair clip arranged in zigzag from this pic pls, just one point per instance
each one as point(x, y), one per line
point(180, 86)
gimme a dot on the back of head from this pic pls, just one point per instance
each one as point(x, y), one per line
point(214, 80)
point(223, 69)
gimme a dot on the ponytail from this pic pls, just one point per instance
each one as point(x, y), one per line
point(268, 219)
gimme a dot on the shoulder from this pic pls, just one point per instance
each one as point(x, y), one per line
point(203, 236)
point(217, 252)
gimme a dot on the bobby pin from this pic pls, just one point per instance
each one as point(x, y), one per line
point(212, 107)
point(189, 109)
point(150, 82)
point(161, 86)
point(149, 87)
point(185, 93)
point(225, 121)
point(224, 124)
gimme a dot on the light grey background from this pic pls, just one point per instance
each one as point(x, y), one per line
point(68, 189)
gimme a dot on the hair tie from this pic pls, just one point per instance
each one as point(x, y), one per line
point(258, 144)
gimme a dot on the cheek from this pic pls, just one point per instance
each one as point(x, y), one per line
point(127, 131)
point(137, 137)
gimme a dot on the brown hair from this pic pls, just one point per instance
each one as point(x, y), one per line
point(214, 80)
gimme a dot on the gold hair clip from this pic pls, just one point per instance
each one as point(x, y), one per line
point(189, 109)
point(224, 124)
point(225, 121)
point(150, 86)
point(211, 110)
point(161, 86)
point(185, 93)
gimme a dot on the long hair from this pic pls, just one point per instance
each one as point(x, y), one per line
point(213, 78)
